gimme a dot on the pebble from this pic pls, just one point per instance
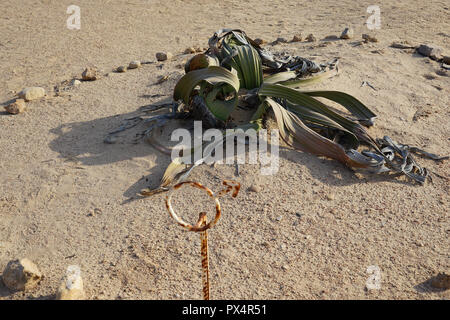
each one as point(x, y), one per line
point(311, 38)
point(134, 64)
point(75, 82)
point(431, 51)
point(162, 56)
point(90, 74)
point(31, 93)
point(254, 188)
point(16, 107)
point(189, 50)
point(71, 288)
point(441, 281)
point(21, 275)
point(297, 38)
point(446, 59)
point(347, 33)
point(369, 38)
point(259, 41)
point(280, 40)
point(279, 218)
point(122, 69)
point(330, 196)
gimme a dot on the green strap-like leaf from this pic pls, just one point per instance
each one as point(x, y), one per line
point(356, 107)
point(217, 77)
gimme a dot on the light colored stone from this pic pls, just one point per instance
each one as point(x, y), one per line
point(189, 50)
point(311, 38)
point(90, 74)
point(163, 56)
point(21, 275)
point(347, 33)
point(75, 82)
point(134, 65)
point(16, 107)
point(31, 93)
point(71, 287)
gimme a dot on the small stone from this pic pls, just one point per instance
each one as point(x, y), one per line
point(254, 188)
point(21, 275)
point(189, 50)
point(75, 82)
point(347, 33)
point(298, 214)
point(441, 281)
point(446, 59)
point(279, 218)
point(199, 49)
point(134, 64)
point(90, 74)
point(297, 38)
point(311, 38)
point(16, 107)
point(31, 93)
point(369, 38)
point(330, 196)
point(161, 56)
point(279, 40)
point(122, 69)
point(285, 267)
point(259, 41)
point(71, 287)
point(431, 51)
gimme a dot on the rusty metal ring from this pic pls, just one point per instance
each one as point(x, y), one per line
point(180, 221)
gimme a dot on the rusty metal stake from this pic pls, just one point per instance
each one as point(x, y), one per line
point(202, 225)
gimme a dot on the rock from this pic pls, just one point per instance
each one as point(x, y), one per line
point(446, 59)
point(347, 33)
point(161, 56)
point(71, 287)
point(189, 50)
point(259, 41)
point(134, 64)
point(281, 40)
point(431, 51)
point(254, 188)
point(122, 69)
point(21, 275)
point(90, 74)
point(297, 38)
point(330, 197)
point(369, 38)
point(75, 82)
point(16, 107)
point(199, 49)
point(31, 93)
point(311, 38)
point(441, 281)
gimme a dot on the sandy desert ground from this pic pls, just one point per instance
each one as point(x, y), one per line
point(311, 232)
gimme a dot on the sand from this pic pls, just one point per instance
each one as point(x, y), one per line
point(67, 198)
